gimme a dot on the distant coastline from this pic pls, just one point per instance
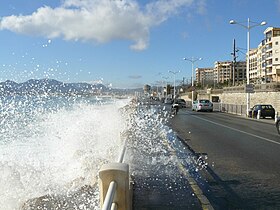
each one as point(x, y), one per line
point(55, 87)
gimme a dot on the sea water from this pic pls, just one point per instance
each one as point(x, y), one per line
point(55, 145)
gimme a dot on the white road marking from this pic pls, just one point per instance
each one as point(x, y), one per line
point(250, 134)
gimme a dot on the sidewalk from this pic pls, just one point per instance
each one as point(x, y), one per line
point(162, 186)
point(159, 184)
point(160, 180)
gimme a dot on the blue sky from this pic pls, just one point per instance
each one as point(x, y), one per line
point(126, 43)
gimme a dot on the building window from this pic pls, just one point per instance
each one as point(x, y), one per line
point(276, 43)
point(276, 59)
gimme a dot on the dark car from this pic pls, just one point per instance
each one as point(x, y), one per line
point(266, 110)
point(181, 103)
point(278, 125)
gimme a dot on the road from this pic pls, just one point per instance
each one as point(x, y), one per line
point(242, 155)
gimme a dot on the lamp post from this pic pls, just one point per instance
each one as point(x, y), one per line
point(174, 73)
point(248, 28)
point(192, 60)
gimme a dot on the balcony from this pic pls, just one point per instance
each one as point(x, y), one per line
point(269, 56)
point(268, 40)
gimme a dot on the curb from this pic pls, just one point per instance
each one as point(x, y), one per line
point(205, 203)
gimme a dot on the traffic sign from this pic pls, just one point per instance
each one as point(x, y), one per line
point(249, 88)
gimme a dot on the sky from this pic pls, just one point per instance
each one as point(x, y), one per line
point(125, 43)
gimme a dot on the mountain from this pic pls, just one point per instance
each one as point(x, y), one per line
point(49, 86)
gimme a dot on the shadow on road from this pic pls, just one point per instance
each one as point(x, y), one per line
point(218, 191)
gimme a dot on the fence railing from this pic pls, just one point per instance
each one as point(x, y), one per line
point(230, 108)
point(114, 185)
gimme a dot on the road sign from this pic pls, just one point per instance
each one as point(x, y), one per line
point(249, 88)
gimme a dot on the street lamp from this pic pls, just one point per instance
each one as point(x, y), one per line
point(192, 60)
point(248, 27)
point(174, 73)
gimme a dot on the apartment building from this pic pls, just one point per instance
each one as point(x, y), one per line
point(254, 72)
point(264, 64)
point(204, 76)
point(271, 54)
point(239, 72)
point(265, 60)
point(222, 72)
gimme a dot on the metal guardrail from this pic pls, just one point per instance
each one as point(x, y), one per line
point(108, 202)
point(115, 192)
point(236, 109)
point(230, 108)
point(121, 157)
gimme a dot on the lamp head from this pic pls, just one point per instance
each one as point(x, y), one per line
point(263, 23)
point(232, 22)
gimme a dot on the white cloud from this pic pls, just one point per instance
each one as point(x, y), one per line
point(97, 21)
point(201, 7)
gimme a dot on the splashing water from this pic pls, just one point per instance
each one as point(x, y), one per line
point(160, 163)
point(52, 147)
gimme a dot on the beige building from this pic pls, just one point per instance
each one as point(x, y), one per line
point(265, 60)
point(223, 72)
point(253, 67)
point(264, 64)
point(271, 54)
point(239, 72)
point(204, 76)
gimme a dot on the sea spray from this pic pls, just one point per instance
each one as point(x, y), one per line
point(160, 163)
point(52, 147)
point(53, 160)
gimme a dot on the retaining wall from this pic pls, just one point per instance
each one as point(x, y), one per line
point(239, 98)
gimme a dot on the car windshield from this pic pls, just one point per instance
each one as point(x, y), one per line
point(204, 101)
point(263, 107)
point(267, 107)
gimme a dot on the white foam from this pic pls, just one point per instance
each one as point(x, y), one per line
point(55, 149)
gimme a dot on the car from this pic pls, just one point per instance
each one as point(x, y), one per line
point(202, 105)
point(278, 125)
point(181, 102)
point(266, 110)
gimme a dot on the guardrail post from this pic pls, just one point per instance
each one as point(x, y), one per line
point(276, 116)
point(119, 173)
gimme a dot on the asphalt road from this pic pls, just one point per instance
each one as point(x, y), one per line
point(243, 158)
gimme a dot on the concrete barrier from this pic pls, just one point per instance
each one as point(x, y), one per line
point(119, 174)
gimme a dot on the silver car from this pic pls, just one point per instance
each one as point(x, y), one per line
point(202, 105)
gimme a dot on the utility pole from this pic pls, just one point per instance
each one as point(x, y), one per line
point(233, 63)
